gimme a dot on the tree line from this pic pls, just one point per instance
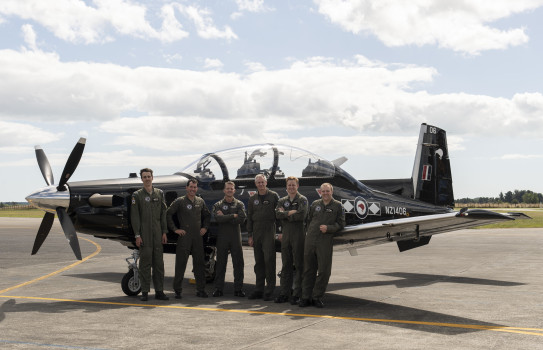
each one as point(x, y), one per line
point(511, 197)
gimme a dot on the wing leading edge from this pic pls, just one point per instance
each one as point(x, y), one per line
point(415, 231)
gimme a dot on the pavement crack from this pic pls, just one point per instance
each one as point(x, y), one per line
point(248, 346)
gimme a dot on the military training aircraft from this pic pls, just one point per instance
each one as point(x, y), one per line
point(405, 211)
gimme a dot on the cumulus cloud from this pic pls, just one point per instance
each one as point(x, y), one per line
point(463, 26)
point(204, 23)
point(213, 63)
point(252, 5)
point(374, 97)
point(79, 22)
point(29, 37)
point(15, 137)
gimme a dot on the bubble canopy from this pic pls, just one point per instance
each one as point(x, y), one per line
point(273, 161)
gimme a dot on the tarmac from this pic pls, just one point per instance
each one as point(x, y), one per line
point(467, 289)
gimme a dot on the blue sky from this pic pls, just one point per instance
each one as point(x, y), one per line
point(157, 83)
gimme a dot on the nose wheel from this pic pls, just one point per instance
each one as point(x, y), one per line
point(131, 283)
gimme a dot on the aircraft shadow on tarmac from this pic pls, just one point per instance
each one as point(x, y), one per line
point(336, 305)
point(409, 280)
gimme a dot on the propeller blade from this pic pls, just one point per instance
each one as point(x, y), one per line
point(45, 167)
point(69, 231)
point(71, 164)
point(45, 227)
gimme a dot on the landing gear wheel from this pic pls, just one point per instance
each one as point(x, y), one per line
point(129, 286)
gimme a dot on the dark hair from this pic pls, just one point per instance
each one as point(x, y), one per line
point(192, 181)
point(146, 170)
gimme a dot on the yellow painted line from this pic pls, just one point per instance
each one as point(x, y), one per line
point(518, 330)
point(98, 250)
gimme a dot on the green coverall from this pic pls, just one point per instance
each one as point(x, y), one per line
point(261, 227)
point(192, 216)
point(148, 219)
point(229, 239)
point(292, 243)
point(318, 246)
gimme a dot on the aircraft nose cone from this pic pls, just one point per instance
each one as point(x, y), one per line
point(49, 198)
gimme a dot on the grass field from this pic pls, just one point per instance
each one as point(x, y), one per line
point(21, 213)
point(535, 214)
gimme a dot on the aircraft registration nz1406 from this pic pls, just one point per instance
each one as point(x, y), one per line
point(406, 211)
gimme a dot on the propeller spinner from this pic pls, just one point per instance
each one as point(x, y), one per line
point(56, 199)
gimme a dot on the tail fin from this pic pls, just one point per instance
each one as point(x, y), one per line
point(432, 179)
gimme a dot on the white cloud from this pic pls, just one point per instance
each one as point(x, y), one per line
point(254, 66)
point(29, 37)
point(204, 24)
point(253, 6)
point(213, 63)
point(462, 26)
point(521, 156)
point(16, 137)
point(75, 21)
point(373, 97)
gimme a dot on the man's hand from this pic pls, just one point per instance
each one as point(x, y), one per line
point(203, 231)
point(180, 232)
point(164, 238)
point(139, 241)
point(323, 228)
point(250, 242)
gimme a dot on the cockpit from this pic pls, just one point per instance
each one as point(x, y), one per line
point(273, 161)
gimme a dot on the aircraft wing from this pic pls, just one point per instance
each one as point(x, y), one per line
point(416, 231)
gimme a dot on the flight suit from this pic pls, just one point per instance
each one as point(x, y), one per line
point(318, 246)
point(192, 216)
point(292, 243)
point(148, 219)
point(229, 239)
point(261, 227)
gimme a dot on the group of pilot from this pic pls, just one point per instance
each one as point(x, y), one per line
point(306, 239)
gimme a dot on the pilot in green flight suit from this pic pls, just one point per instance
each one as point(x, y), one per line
point(229, 213)
point(261, 231)
point(193, 217)
point(148, 219)
point(292, 210)
point(325, 218)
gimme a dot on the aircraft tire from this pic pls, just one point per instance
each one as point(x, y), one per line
point(127, 284)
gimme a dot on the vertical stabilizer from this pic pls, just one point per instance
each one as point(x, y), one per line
point(432, 179)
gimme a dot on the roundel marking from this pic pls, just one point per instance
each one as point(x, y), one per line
point(361, 207)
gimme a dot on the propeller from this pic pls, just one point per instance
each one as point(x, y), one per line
point(65, 221)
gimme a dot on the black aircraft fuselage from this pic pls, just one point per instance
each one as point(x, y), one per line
point(406, 211)
point(112, 220)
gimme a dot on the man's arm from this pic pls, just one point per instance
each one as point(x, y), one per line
point(280, 212)
point(249, 217)
point(242, 216)
point(172, 210)
point(206, 216)
point(339, 222)
point(135, 216)
point(301, 212)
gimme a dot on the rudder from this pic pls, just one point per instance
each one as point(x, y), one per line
point(432, 178)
